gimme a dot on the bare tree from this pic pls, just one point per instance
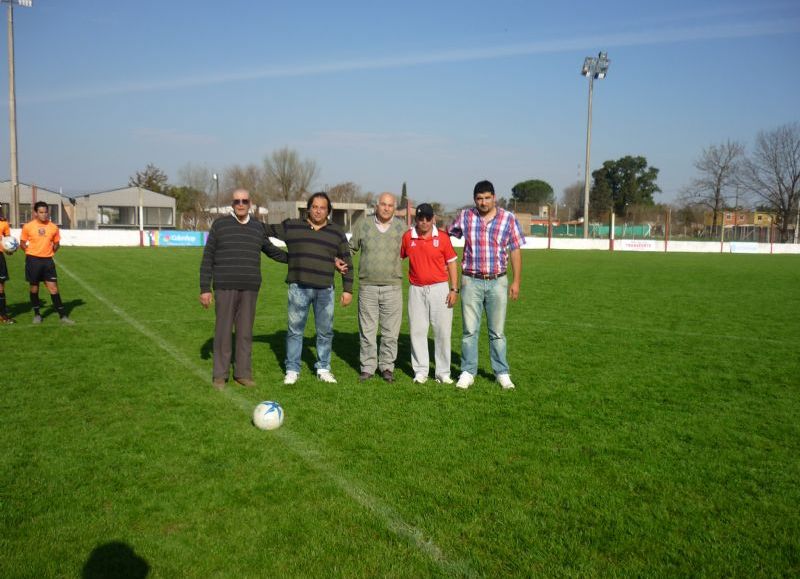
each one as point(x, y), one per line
point(347, 192)
point(572, 200)
point(196, 178)
point(288, 177)
point(718, 166)
point(250, 177)
point(772, 172)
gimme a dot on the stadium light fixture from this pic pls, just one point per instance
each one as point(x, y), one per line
point(215, 177)
point(12, 112)
point(593, 68)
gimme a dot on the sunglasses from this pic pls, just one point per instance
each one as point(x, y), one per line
point(241, 202)
point(424, 218)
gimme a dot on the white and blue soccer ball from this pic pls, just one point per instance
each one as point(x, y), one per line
point(10, 244)
point(268, 415)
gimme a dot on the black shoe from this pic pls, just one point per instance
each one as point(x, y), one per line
point(6, 320)
point(387, 375)
point(364, 376)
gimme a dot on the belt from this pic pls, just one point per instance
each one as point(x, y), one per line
point(478, 275)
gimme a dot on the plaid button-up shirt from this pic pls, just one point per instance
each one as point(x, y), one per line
point(486, 245)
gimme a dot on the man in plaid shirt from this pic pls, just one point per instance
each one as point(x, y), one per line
point(491, 235)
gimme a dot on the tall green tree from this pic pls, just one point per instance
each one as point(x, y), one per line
point(152, 179)
point(533, 191)
point(403, 196)
point(618, 184)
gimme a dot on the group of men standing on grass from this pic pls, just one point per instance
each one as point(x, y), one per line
point(317, 248)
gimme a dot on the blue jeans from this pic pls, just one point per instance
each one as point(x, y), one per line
point(478, 295)
point(300, 299)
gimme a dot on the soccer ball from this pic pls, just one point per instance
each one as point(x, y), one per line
point(268, 415)
point(10, 244)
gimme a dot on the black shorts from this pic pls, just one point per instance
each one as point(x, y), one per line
point(3, 268)
point(39, 269)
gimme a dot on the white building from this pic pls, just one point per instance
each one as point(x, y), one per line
point(126, 208)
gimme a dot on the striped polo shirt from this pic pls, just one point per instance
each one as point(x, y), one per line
point(312, 253)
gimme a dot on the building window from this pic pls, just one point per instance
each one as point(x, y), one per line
point(117, 216)
point(25, 212)
point(55, 214)
point(158, 217)
point(5, 208)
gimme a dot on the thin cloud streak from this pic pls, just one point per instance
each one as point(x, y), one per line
point(644, 38)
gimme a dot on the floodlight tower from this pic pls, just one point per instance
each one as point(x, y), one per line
point(12, 111)
point(592, 68)
point(215, 177)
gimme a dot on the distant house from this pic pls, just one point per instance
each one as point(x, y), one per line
point(125, 208)
point(30, 194)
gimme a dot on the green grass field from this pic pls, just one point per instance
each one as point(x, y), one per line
point(655, 430)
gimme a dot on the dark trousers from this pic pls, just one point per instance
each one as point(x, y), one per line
point(234, 309)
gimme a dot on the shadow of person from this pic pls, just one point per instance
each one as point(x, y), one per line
point(72, 304)
point(115, 559)
point(23, 308)
point(277, 343)
point(207, 349)
point(346, 345)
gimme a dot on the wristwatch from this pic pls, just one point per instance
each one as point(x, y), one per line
point(454, 289)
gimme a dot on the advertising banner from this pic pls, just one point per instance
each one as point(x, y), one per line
point(177, 238)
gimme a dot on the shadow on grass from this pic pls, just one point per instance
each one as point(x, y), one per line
point(346, 345)
point(47, 308)
point(115, 559)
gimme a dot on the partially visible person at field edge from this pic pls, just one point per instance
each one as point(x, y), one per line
point(433, 273)
point(40, 239)
point(314, 244)
point(5, 231)
point(231, 265)
point(491, 235)
point(380, 287)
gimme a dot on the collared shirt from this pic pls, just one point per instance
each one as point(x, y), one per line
point(382, 227)
point(427, 256)
point(486, 245)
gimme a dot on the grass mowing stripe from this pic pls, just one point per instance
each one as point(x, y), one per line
point(312, 457)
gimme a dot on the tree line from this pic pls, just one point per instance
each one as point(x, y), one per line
point(727, 178)
point(767, 179)
point(282, 176)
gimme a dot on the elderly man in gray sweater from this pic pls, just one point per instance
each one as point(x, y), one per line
point(380, 290)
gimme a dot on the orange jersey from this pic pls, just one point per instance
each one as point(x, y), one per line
point(40, 237)
point(5, 230)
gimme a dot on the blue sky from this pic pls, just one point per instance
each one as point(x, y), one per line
point(437, 94)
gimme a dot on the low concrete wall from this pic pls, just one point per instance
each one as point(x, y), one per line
point(133, 238)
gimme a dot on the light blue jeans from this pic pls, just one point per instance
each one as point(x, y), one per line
point(301, 298)
point(478, 295)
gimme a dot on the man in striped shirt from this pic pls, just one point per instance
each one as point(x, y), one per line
point(314, 244)
point(231, 265)
point(491, 235)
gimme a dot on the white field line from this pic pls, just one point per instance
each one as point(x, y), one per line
point(304, 450)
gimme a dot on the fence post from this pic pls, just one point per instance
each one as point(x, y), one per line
point(611, 233)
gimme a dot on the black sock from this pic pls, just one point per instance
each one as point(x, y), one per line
point(35, 303)
point(2, 304)
point(58, 305)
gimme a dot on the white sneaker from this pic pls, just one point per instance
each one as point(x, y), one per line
point(420, 378)
point(465, 380)
point(444, 379)
point(326, 376)
point(291, 377)
point(505, 381)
